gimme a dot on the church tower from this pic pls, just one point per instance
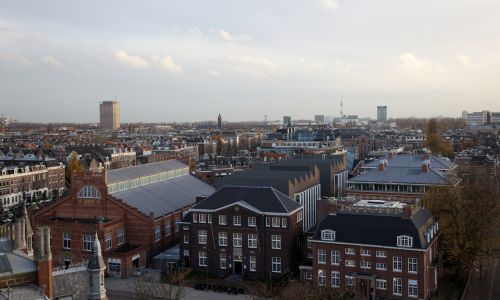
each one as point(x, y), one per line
point(219, 122)
point(95, 269)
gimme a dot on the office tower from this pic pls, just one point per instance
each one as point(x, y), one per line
point(287, 121)
point(110, 115)
point(381, 113)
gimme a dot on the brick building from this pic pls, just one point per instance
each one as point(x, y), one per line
point(381, 250)
point(252, 231)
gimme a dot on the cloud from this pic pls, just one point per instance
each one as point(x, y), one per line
point(131, 60)
point(410, 63)
point(196, 32)
point(229, 38)
point(213, 73)
point(166, 63)
point(251, 65)
point(52, 61)
point(464, 59)
point(330, 5)
point(343, 67)
point(14, 58)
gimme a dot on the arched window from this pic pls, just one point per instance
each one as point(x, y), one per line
point(89, 192)
point(328, 235)
point(405, 241)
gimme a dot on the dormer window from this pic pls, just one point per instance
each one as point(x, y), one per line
point(89, 192)
point(327, 235)
point(405, 241)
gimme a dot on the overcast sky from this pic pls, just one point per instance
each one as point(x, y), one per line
point(189, 60)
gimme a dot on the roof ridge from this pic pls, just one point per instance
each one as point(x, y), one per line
point(279, 199)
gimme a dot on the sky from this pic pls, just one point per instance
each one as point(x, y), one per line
point(174, 61)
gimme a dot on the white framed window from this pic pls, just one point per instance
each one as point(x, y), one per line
point(157, 233)
point(276, 221)
point(236, 221)
point(350, 263)
point(202, 237)
point(88, 239)
point(268, 222)
point(276, 241)
point(89, 192)
point(237, 240)
point(381, 284)
point(381, 253)
point(335, 279)
point(300, 216)
point(209, 218)
point(223, 239)
point(321, 277)
point(195, 218)
point(121, 236)
point(397, 263)
point(284, 222)
point(252, 221)
point(397, 286)
point(381, 266)
point(349, 280)
point(202, 218)
point(350, 251)
point(223, 261)
point(365, 252)
point(202, 259)
point(253, 263)
point(335, 257)
point(321, 256)
point(405, 241)
point(276, 264)
point(412, 288)
point(328, 235)
point(412, 265)
point(108, 240)
point(66, 240)
point(365, 264)
point(186, 239)
point(252, 240)
point(309, 242)
point(222, 220)
point(307, 275)
point(168, 228)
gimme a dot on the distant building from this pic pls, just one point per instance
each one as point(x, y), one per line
point(219, 122)
point(109, 112)
point(287, 121)
point(319, 119)
point(481, 118)
point(381, 113)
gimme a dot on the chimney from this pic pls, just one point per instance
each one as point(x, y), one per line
point(425, 166)
point(407, 212)
point(44, 260)
point(381, 166)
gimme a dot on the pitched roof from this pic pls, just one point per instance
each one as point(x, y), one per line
point(414, 161)
point(133, 172)
point(265, 199)
point(402, 175)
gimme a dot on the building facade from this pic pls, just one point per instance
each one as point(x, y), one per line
point(109, 112)
point(381, 113)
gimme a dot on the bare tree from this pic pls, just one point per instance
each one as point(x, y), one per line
point(149, 287)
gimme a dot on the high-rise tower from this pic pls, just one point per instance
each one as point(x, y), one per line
point(109, 112)
point(219, 122)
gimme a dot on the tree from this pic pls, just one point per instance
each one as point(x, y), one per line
point(149, 287)
point(74, 165)
point(435, 142)
point(469, 220)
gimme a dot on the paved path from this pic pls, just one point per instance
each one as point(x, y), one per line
point(486, 285)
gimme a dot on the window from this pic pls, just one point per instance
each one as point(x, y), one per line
point(223, 261)
point(412, 288)
point(237, 221)
point(209, 218)
point(335, 257)
point(195, 218)
point(121, 236)
point(276, 222)
point(66, 240)
point(350, 263)
point(89, 192)
point(381, 284)
point(299, 216)
point(321, 277)
point(321, 256)
point(328, 235)
point(88, 238)
point(157, 233)
point(365, 252)
point(284, 222)
point(253, 263)
point(335, 279)
point(222, 220)
point(114, 267)
point(276, 264)
point(350, 251)
point(252, 240)
point(168, 228)
point(365, 264)
point(309, 242)
point(397, 286)
point(252, 222)
point(276, 241)
point(222, 238)
point(108, 239)
point(349, 280)
point(397, 264)
point(381, 266)
point(202, 237)
point(202, 259)
point(268, 222)
point(381, 254)
point(405, 241)
point(186, 239)
point(237, 240)
point(203, 218)
point(307, 275)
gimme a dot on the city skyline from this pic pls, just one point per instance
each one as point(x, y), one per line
point(256, 59)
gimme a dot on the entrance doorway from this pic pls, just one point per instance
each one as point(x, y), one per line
point(238, 264)
point(364, 289)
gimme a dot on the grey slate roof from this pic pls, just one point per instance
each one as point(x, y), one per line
point(414, 161)
point(12, 263)
point(265, 199)
point(401, 175)
point(165, 196)
point(380, 230)
point(132, 172)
